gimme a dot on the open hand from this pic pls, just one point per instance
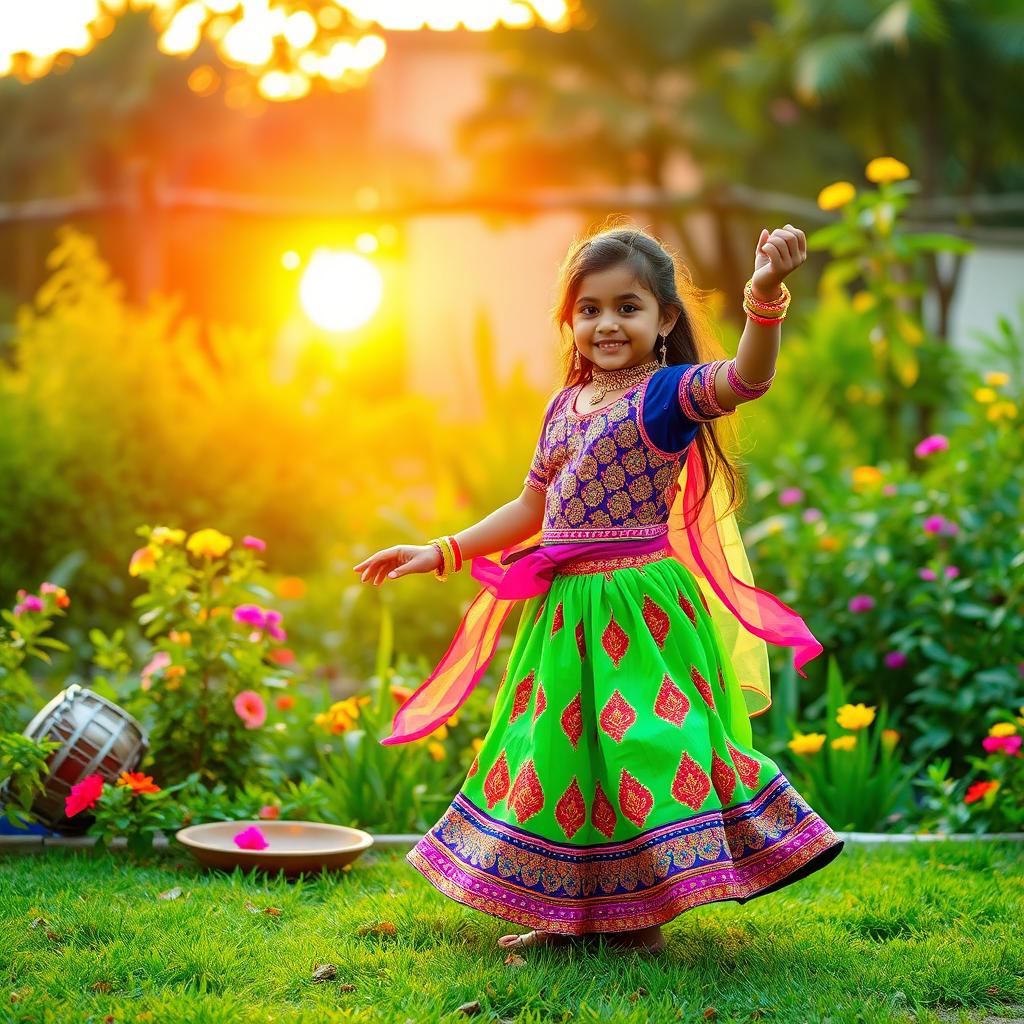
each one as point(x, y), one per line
point(396, 561)
point(777, 255)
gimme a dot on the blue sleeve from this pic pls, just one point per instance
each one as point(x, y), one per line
point(537, 476)
point(677, 400)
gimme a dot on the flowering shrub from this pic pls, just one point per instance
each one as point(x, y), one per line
point(996, 799)
point(852, 775)
point(204, 688)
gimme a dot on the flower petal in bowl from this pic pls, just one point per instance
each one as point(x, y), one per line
point(294, 847)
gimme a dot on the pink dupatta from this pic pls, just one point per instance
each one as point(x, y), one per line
point(714, 553)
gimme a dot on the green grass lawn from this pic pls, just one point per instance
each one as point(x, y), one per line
point(927, 932)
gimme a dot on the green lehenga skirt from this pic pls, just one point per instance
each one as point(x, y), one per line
point(617, 786)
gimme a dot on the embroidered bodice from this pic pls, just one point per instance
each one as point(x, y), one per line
point(607, 473)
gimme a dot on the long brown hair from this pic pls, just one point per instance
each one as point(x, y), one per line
point(691, 340)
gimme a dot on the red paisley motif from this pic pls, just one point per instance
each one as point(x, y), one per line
point(691, 612)
point(657, 620)
point(474, 767)
point(521, 698)
point(602, 814)
point(572, 721)
point(721, 679)
point(581, 643)
point(558, 621)
point(671, 703)
point(540, 612)
point(691, 784)
point(526, 797)
point(723, 778)
point(703, 686)
point(617, 716)
point(747, 768)
point(615, 640)
point(635, 799)
point(496, 781)
point(571, 809)
point(542, 702)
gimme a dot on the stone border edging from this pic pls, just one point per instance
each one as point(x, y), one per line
point(32, 843)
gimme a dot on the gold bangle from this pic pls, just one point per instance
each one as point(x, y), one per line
point(449, 555)
point(441, 572)
point(763, 307)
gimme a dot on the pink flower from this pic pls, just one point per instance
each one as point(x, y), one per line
point(255, 543)
point(270, 811)
point(895, 659)
point(263, 619)
point(1007, 744)
point(932, 443)
point(250, 838)
point(927, 574)
point(48, 588)
point(952, 572)
point(861, 603)
point(790, 496)
point(83, 795)
point(30, 604)
point(250, 709)
point(159, 661)
point(250, 614)
point(812, 515)
point(889, 490)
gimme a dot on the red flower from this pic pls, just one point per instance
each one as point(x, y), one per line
point(978, 790)
point(138, 783)
point(270, 811)
point(285, 702)
point(282, 655)
point(84, 795)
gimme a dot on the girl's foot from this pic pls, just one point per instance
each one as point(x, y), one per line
point(535, 938)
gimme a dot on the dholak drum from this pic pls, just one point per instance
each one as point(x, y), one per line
point(96, 736)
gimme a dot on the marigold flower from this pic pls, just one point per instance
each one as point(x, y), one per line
point(250, 709)
point(838, 194)
point(436, 750)
point(1003, 729)
point(844, 743)
point(855, 716)
point(83, 795)
point(865, 476)
point(137, 782)
point(165, 535)
point(884, 169)
point(806, 743)
point(979, 789)
point(208, 543)
point(143, 560)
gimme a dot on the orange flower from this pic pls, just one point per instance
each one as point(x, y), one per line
point(285, 702)
point(142, 561)
point(291, 588)
point(137, 782)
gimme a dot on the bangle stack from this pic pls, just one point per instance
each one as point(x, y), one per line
point(765, 312)
point(451, 556)
point(741, 387)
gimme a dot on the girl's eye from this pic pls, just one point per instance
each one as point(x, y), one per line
point(629, 304)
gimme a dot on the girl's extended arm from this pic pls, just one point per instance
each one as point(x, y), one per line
point(504, 527)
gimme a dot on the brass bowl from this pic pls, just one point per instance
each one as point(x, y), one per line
point(294, 847)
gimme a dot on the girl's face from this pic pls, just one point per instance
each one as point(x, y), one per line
point(612, 306)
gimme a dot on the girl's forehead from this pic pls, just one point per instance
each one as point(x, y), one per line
point(611, 283)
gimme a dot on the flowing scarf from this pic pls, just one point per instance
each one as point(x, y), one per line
point(712, 550)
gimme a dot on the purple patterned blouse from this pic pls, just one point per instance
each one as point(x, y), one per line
point(606, 473)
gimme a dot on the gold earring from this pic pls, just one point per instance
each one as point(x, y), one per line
point(664, 350)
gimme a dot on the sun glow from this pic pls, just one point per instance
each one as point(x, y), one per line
point(340, 291)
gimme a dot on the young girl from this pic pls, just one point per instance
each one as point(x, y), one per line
point(617, 785)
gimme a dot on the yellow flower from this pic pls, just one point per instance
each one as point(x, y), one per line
point(477, 744)
point(985, 395)
point(436, 751)
point(809, 743)
point(863, 301)
point(839, 193)
point(866, 475)
point(184, 637)
point(829, 544)
point(143, 560)
point(997, 380)
point(855, 716)
point(1000, 410)
point(453, 721)
point(890, 737)
point(910, 331)
point(174, 671)
point(165, 535)
point(1003, 729)
point(886, 168)
point(291, 588)
point(441, 732)
point(844, 743)
point(208, 543)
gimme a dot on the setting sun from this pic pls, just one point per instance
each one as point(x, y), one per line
point(340, 290)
